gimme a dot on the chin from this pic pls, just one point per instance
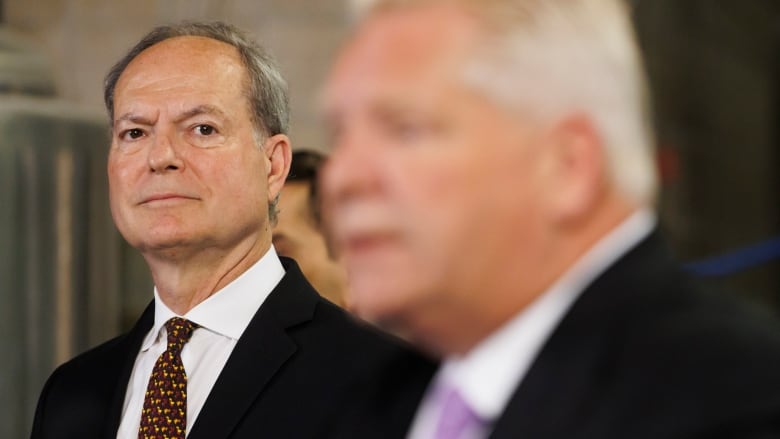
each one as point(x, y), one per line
point(161, 244)
point(379, 302)
point(368, 300)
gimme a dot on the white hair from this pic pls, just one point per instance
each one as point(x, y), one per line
point(550, 58)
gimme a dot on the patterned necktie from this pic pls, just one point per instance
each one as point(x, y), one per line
point(457, 420)
point(164, 415)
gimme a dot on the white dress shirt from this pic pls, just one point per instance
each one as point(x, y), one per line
point(488, 374)
point(222, 318)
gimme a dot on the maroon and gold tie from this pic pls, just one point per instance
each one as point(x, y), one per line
point(164, 415)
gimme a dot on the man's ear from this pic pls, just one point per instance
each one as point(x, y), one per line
point(278, 151)
point(578, 168)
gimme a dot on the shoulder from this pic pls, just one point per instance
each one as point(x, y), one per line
point(646, 298)
point(670, 313)
point(709, 332)
point(98, 362)
point(343, 365)
point(76, 397)
point(352, 343)
point(703, 353)
point(387, 377)
point(319, 327)
point(666, 353)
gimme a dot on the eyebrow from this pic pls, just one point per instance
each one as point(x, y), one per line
point(140, 120)
point(198, 110)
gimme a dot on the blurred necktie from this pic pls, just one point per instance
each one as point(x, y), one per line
point(164, 414)
point(457, 420)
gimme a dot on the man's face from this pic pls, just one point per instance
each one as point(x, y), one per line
point(432, 192)
point(297, 236)
point(186, 173)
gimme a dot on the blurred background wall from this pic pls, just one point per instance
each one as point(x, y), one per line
point(68, 281)
point(714, 67)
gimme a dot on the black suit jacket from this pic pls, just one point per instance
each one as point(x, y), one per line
point(645, 353)
point(299, 371)
point(642, 354)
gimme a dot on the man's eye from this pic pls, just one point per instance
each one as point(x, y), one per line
point(133, 133)
point(204, 130)
point(406, 131)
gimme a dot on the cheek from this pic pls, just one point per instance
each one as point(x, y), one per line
point(442, 201)
point(113, 170)
point(118, 182)
point(463, 207)
point(253, 168)
point(242, 177)
point(240, 187)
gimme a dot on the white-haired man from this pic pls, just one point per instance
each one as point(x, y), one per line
point(490, 191)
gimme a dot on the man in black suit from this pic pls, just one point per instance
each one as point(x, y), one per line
point(490, 191)
point(236, 343)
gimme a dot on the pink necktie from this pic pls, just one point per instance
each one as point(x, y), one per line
point(457, 420)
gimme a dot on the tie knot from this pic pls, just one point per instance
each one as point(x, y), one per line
point(179, 332)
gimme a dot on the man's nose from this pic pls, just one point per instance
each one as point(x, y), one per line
point(164, 154)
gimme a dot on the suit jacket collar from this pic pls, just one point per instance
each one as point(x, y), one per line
point(129, 348)
point(261, 351)
point(565, 379)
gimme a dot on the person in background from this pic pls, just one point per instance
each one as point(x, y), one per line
point(298, 232)
point(490, 190)
point(236, 343)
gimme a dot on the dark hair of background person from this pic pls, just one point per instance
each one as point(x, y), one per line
point(305, 168)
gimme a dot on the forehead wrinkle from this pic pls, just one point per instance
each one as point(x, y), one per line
point(199, 110)
point(175, 65)
point(195, 111)
point(134, 118)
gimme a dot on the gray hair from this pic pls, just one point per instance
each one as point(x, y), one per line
point(549, 58)
point(266, 88)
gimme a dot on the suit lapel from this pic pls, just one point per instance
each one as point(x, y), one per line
point(569, 376)
point(129, 350)
point(558, 389)
point(260, 353)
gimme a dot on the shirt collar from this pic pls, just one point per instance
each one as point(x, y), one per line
point(488, 374)
point(228, 311)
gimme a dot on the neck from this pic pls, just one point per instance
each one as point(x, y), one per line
point(478, 317)
point(183, 283)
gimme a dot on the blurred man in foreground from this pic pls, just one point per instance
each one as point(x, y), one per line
point(298, 233)
point(236, 343)
point(490, 191)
